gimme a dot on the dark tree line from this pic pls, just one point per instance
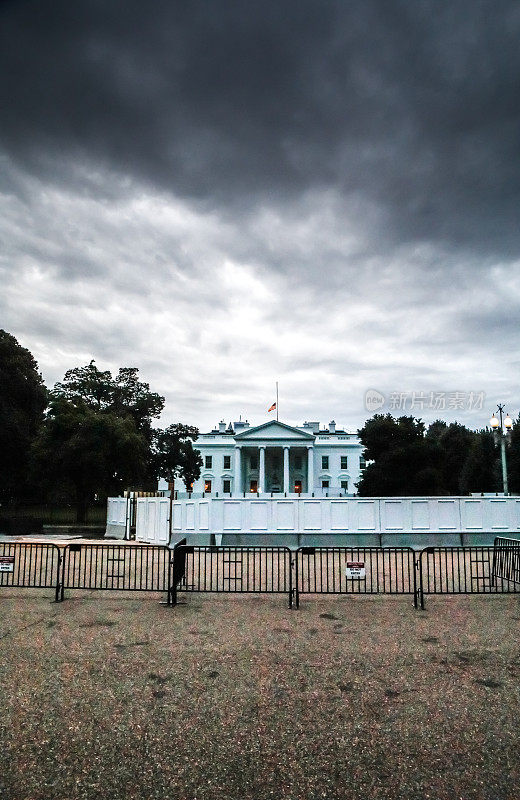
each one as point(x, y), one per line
point(406, 458)
point(91, 436)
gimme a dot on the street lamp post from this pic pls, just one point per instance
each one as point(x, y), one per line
point(498, 426)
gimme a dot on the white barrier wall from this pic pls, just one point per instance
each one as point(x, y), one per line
point(117, 518)
point(327, 515)
point(317, 515)
point(153, 520)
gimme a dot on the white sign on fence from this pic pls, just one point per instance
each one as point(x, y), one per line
point(355, 570)
point(6, 563)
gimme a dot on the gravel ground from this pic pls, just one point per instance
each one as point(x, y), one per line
point(112, 695)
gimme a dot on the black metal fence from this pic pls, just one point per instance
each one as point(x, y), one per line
point(355, 570)
point(266, 570)
point(469, 570)
point(123, 567)
point(32, 565)
point(258, 570)
point(506, 560)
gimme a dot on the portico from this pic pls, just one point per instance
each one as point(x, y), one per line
point(273, 468)
point(274, 458)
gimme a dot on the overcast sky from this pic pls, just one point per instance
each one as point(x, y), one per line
point(226, 194)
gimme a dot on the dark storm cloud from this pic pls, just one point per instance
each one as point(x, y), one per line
point(410, 108)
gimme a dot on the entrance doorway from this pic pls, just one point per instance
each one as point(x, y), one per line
point(298, 487)
point(253, 486)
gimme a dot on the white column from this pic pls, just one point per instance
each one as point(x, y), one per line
point(286, 469)
point(261, 474)
point(238, 471)
point(310, 469)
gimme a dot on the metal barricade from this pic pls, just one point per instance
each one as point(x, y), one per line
point(30, 565)
point(265, 570)
point(506, 560)
point(469, 570)
point(119, 567)
point(356, 570)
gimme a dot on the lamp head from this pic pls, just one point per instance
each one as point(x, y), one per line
point(494, 422)
point(508, 423)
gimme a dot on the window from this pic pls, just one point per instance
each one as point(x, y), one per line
point(362, 462)
point(227, 462)
point(324, 484)
point(297, 462)
point(254, 462)
point(344, 485)
point(208, 462)
point(325, 463)
point(207, 485)
point(226, 486)
point(344, 462)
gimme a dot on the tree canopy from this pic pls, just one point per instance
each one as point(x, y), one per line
point(86, 453)
point(89, 437)
point(124, 395)
point(407, 459)
point(403, 461)
point(174, 455)
point(23, 397)
point(456, 443)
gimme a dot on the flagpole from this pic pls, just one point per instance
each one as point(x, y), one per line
point(277, 401)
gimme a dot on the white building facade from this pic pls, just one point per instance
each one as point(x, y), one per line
point(277, 458)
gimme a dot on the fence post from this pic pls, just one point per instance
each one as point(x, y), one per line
point(419, 593)
point(494, 563)
point(59, 576)
point(296, 589)
point(291, 590)
point(63, 559)
point(172, 583)
point(172, 591)
point(415, 597)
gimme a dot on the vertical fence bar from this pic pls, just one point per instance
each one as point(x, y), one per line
point(287, 555)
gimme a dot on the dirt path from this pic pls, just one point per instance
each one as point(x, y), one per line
point(238, 698)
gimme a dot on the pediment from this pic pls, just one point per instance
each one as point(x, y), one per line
point(272, 431)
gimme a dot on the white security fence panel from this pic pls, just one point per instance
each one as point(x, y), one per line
point(306, 514)
point(118, 522)
point(153, 520)
point(491, 513)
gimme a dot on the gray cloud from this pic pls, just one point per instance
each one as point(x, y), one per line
point(413, 107)
point(223, 194)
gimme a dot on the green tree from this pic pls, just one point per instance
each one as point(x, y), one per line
point(403, 460)
point(124, 395)
point(23, 397)
point(174, 455)
point(86, 452)
point(436, 430)
point(480, 472)
point(455, 442)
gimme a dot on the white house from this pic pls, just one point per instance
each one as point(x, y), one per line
point(275, 457)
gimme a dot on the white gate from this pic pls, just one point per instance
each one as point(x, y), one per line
point(153, 520)
point(118, 518)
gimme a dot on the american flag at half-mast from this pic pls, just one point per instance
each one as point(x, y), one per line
point(272, 408)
